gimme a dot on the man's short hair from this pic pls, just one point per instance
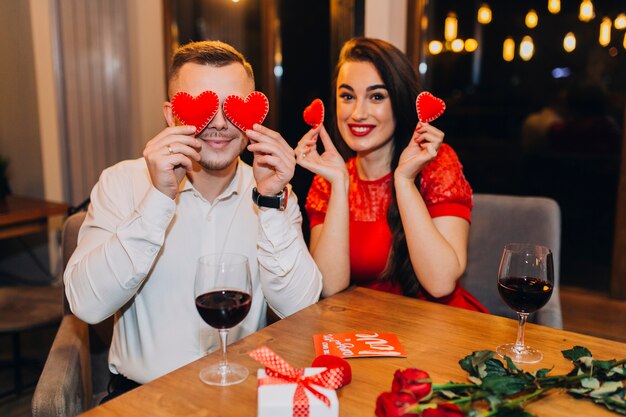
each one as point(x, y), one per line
point(213, 53)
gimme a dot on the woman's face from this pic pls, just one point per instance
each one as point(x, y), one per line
point(364, 115)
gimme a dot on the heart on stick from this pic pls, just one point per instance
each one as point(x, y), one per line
point(429, 107)
point(195, 111)
point(331, 361)
point(314, 113)
point(244, 113)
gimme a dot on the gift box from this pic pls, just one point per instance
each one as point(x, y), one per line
point(284, 390)
point(277, 400)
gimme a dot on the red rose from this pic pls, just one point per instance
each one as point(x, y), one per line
point(414, 381)
point(443, 410)
point(394, 404)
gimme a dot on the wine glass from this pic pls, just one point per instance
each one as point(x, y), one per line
point(525, 282)
point(223, 293)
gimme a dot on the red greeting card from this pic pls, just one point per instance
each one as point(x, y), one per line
point(358, 345)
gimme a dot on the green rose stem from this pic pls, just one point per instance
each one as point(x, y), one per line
point(563, 378)
point(512, 403)
point(441, 387)
point(557, 381)
point(461, 400)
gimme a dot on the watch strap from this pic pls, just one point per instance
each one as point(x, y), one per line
point(278, 202)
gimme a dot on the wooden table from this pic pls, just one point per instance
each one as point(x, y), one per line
point(20, 216)
point(435, 337)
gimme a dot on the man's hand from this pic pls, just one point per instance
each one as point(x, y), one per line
point(274, 160)
point(169, 156)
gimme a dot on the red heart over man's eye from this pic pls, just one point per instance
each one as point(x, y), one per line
point(195, 111)
point(245, 113)
point(429, 107)
point(314, 113)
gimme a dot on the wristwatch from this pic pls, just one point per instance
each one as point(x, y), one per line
point(278, 201)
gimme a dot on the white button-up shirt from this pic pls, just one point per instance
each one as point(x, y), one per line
point(136, 258)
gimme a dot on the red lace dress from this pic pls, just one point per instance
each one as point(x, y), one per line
point(446, 192)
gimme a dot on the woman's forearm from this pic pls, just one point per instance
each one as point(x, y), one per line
point(330, 242)
point(437, 248)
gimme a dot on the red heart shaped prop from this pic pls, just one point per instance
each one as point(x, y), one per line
point(429, 107)
point(314, 113)
point(195, 111)
point(245, 113)
point(332, 361)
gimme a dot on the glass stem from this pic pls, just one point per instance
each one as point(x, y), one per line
point(223, 343)
point(519, 343)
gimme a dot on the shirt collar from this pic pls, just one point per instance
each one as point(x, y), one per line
point(236, 186)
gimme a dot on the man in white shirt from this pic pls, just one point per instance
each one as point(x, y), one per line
point(150, 219)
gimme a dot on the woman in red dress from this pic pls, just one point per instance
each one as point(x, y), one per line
point(396, 216)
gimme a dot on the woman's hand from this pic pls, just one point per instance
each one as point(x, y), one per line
point(330, 165)
point(422, 149)
point(169, 156)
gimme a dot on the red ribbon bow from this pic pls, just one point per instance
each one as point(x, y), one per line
point(278, 371)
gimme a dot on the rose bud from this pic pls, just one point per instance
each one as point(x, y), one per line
point(394, 404)
point(443, 410)
point(414, 381)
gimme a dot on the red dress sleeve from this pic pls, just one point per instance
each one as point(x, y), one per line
point(444, 188)
point(317, 201)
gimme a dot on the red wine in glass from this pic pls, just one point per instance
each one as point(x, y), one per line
point(525, 283)
point(223, 296)
point(524, 294)
point(223, 309)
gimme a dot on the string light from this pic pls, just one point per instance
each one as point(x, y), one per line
point(508, 49)
point(569, 42)
point(435, 47)
point(457, 45)
point(484, 14)
point(526, 48)
point(471, 44)
point(554, 6)
point(605, 32)
point(451, 25)
point(531, 19)
point(624, 44)
point(586, 12)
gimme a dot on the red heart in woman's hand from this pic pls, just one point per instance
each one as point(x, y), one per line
point(195, 111)
point(429, 107)
point(245, 113)
point(332, 361)
point(314, 113)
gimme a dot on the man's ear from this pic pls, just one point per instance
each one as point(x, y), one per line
point(169, 114)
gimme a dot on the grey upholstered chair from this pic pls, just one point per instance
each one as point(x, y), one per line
point(501, 219)
point(75, 375)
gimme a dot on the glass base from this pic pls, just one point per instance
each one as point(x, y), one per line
point(526, 354)
point(224, 375)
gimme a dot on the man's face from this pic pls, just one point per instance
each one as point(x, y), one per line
point(221, 141)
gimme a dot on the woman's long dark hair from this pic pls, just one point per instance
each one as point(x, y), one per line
point(401, 81)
